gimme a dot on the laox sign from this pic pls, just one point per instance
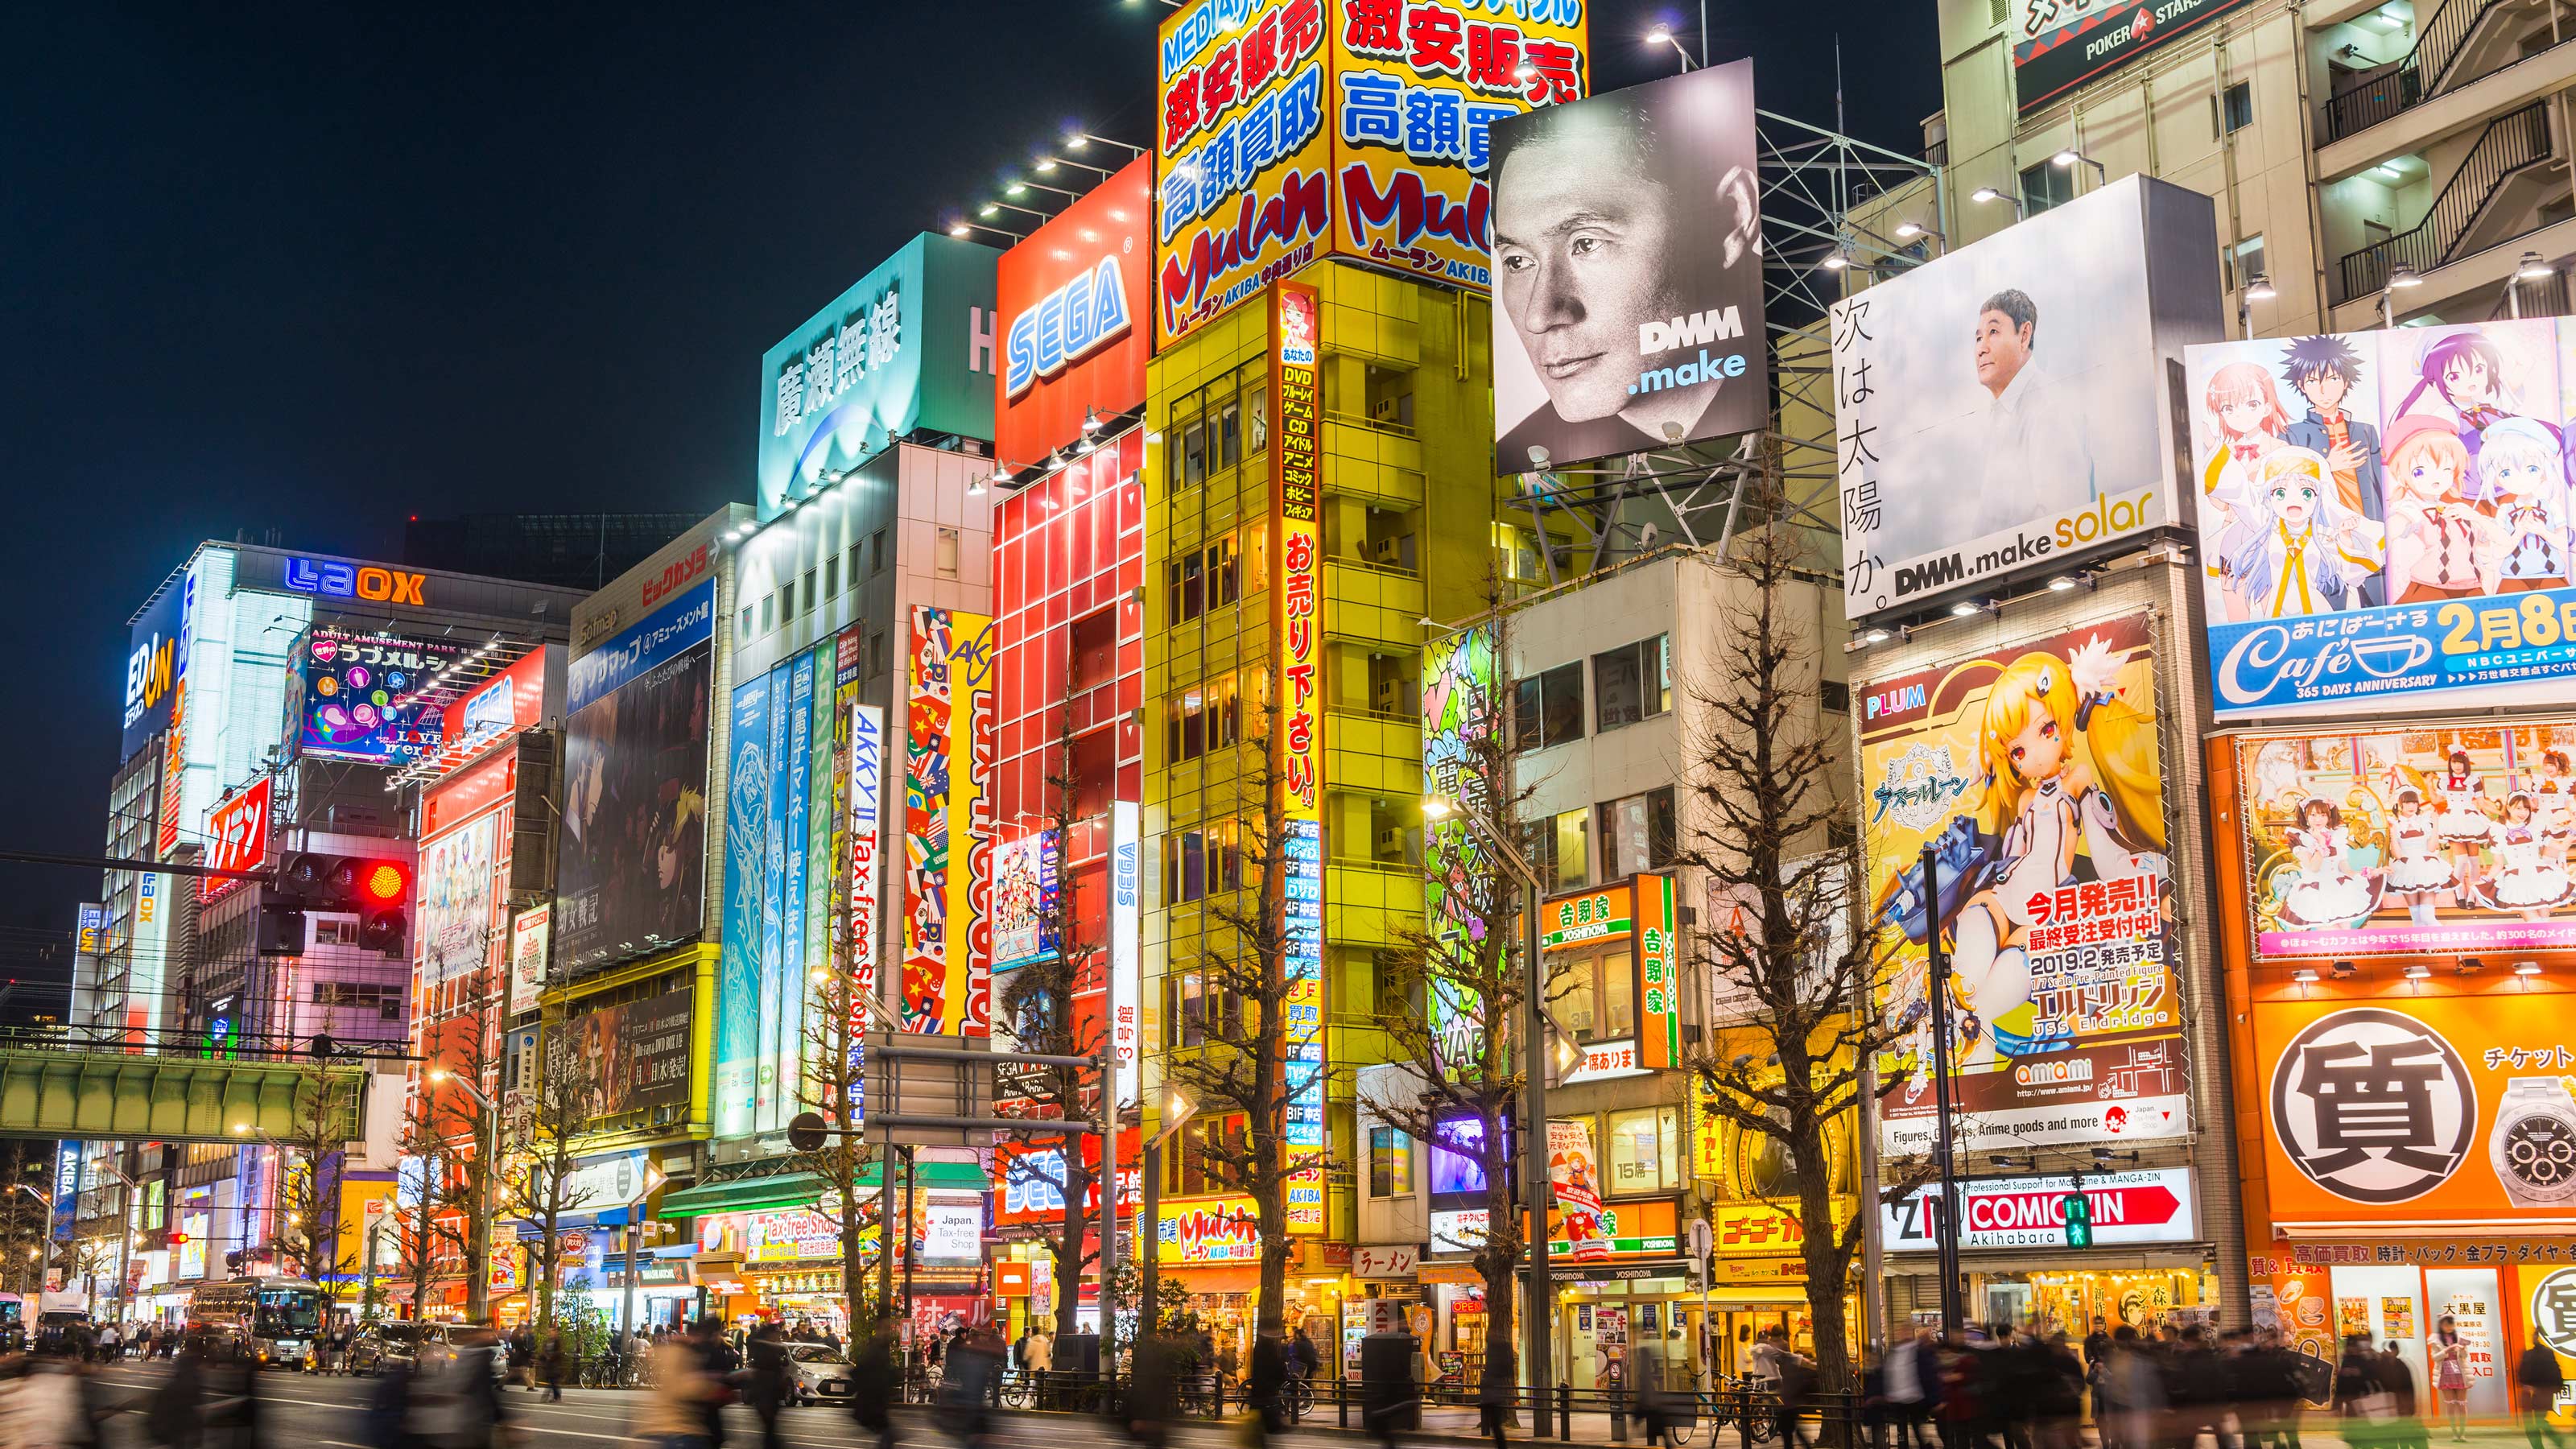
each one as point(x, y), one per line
point(340, 580)
point(1066, 326)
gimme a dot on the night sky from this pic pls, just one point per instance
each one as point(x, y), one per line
point(312, 270)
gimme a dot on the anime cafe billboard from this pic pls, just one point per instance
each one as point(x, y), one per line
point(2004, 411)
point(2383, 519)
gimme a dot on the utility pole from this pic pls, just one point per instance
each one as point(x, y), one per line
point(1538, 1330)
point(1945, 1218)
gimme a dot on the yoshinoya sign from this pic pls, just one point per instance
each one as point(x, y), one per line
point(2154, 1205)
point(2005, 409)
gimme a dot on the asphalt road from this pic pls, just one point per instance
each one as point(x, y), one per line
point(300, 1411)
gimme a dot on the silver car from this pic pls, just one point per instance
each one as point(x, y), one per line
point(820, 1373)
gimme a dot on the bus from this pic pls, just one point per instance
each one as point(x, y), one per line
point(13, 1323)
point(272, 1321)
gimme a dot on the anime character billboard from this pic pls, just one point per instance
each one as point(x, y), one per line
point(2440, 838)
point(2031, 774)
point(2384, 517)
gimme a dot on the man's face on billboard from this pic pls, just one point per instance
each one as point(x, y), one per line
point(1581, 232)
point(2324, 388)
point(2002, 348)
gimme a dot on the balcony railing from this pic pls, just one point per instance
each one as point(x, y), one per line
point(2411, 78)
point(2511, 143)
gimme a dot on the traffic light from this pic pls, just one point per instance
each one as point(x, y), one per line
point(2079, 1217)
point(377, 891)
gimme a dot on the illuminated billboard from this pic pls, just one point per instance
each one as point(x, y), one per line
point(1628, 243)
point(2005, 410)
point(2384, 519)
point(2064, 1002)
point(1290, 129)
point(899, 351)
point(1073, 306)
point(152, 669)
point(947, 983)
point(631, 864)
point(360, 696)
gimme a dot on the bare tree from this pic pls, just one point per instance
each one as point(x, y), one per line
point(1462, 987)
point(429, 1235)
point(539, 1177)
point(832, 1085)
point(1770, 835)
point(465, 1045)
point(1244, 1079)
point(313, 1165)
point(1038, 999)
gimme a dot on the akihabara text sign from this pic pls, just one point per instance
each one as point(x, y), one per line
point(2152, 1206)
point(1293, 128)
point(2004, 410)
point(2032, 772)
point(1073, 301)
point(910, 346)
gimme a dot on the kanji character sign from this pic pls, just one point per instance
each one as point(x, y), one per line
point(2373, 1106)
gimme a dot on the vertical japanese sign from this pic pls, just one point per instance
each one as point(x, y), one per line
point(1417, 86)
point(529, 933)
point(1659, 1007)
point(823, 794)
point(738, 969)
point(1126, 905)
point(1296, 325)
point(784, 985)
point(1241, 152)
point(948, 834)
point(1458, 706)
point(68, 1166)
point(2065, 1014)
point(867, 790)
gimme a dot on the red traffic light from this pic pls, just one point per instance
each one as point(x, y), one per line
point(176, 1239)
point(382, 881)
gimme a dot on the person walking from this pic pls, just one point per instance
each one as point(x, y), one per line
point(765, 1383)
point(1039, 1362)
point(876, 1380)
point(716, 1363)
point(1497, 1390)
point(673, 1412)
point(551, 1365)
point(2539, 1380)
point(1262, 1387)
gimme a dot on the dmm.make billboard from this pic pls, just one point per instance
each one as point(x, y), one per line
point(910, 346)
point(631, 868)
point(359, 695)
point(1073, 301)
point(2032, 772)
point(2005, 410)
point(1292, 128)
point(2383, 519)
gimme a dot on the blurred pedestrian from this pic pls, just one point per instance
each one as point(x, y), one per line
point(2399, 1380)
point(1154, 1386)
point(2538, 1380)
point(766, 1382)
point(674, 1410)
point(1497, 1388)
point(971, 1384)
point(551, 1366)
point(876, 1380)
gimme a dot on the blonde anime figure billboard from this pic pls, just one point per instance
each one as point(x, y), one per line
point(2436, 838)
point(2032, 774)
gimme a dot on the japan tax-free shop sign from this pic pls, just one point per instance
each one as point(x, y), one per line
point(2005, 412)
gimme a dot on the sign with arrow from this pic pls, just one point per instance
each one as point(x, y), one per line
point(2153, 1205)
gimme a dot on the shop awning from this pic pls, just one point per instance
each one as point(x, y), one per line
point(745, 1195)
point(952, 1176)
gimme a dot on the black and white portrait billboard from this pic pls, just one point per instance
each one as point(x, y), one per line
point(1628, 272)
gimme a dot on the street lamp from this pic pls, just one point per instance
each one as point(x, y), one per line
point(2070, 158)
point(1987, 193)
point(1178, 1108)
point(1537, 1326)
point(2258, 290)
point(2530, 269)
point(1663, 35)
point(487, 1150)
point(1909, 230)
point(2400, 278)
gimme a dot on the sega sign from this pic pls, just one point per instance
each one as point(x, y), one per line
point(340, 579)
point(1069, 298)
point(1067, 325)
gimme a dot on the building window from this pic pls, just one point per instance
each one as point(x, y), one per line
point(1390, 1163)
point(2045, 185)
point(854, 566)
point(1547, 709)
point(1559, 856)
point(1834, 697)
point(1206, 718)
point(1644, 1153)
point(1229, 435)
point(2244, 262)
point(1997, 13)
point(2236, 108)
point(1194, 453)
point(1256, 418)
point(1632, 682)
point(768, 612)
point(743, 629)
point(1188, 587)
point(877, 660)
point(877, 551)
point(809, 593)
point(944, 550)
point(1188, 1001)
point(1593, 993)
point(1093, 658)
point(1637, 834)
point(1224, 574)
point(832, 577)
point(1200, 863)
